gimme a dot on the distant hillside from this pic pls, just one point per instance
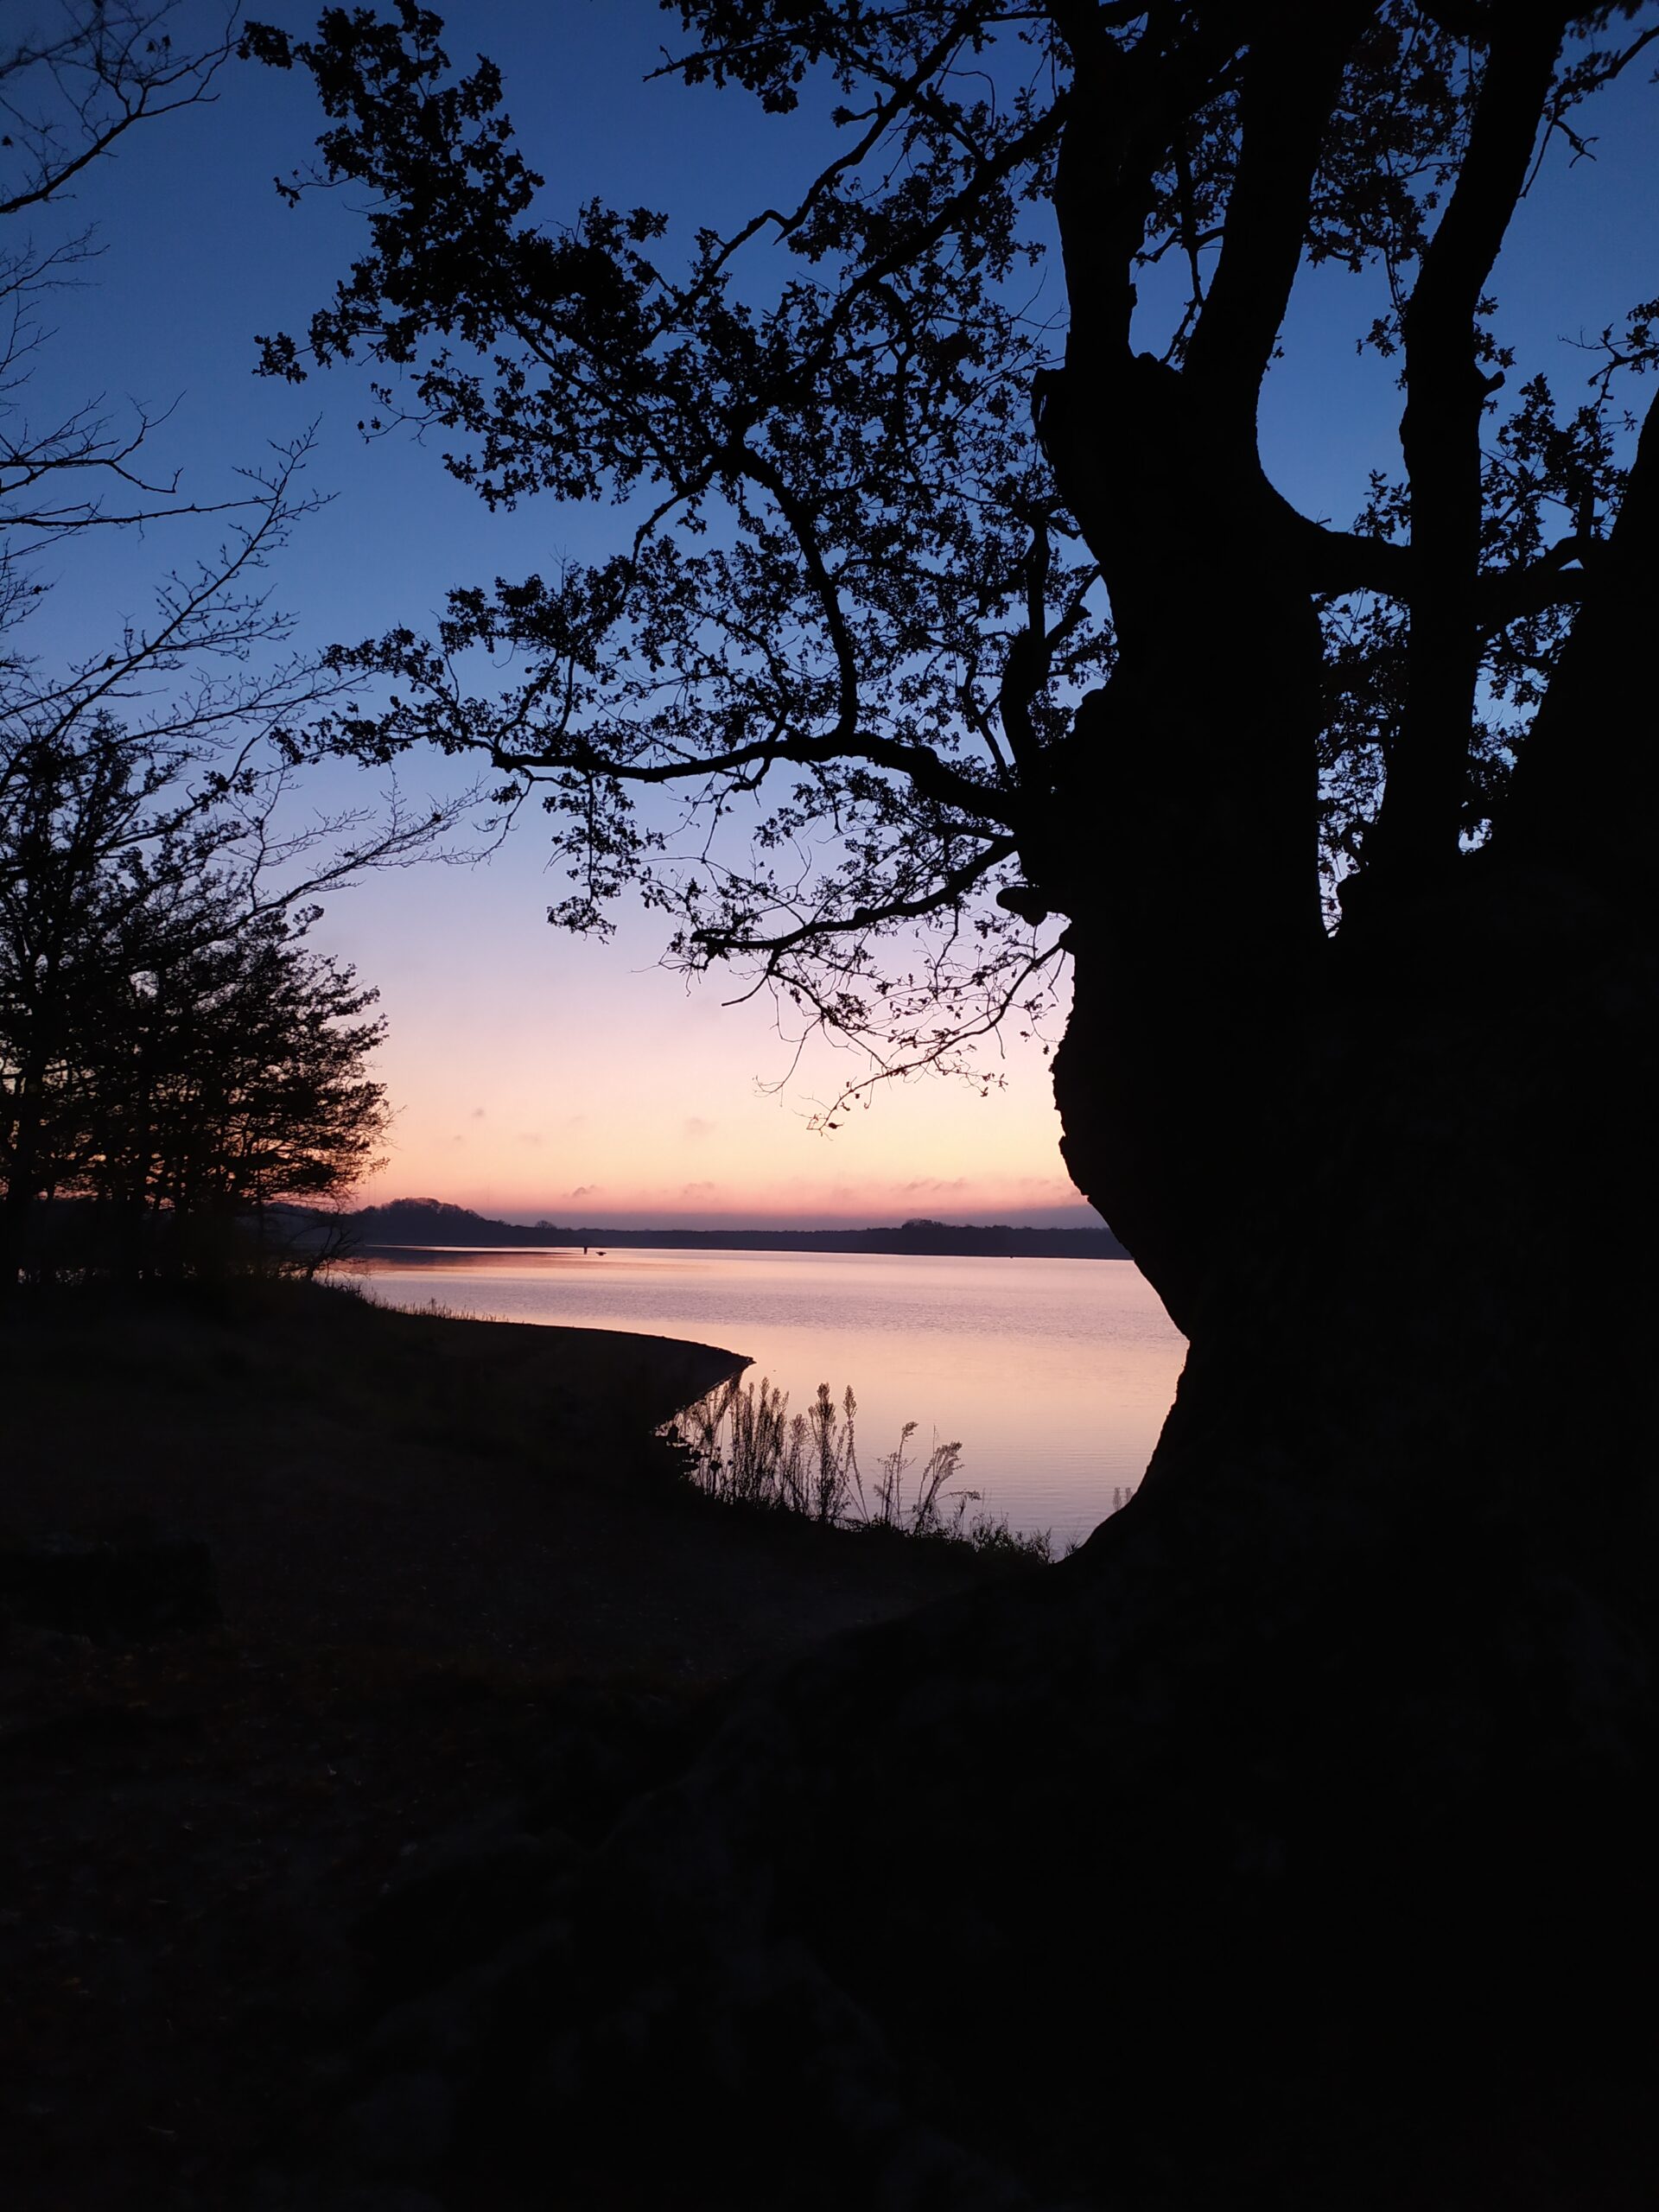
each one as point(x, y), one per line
point(433, 1221)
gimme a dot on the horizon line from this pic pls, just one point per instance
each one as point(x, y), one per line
point(1077, 1215)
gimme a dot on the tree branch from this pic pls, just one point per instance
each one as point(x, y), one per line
point(953, 887)
point(1589, 756)
point(1418, 828)
point(123, 53)
point(1513, 594)
point(931, 775)
point(1290, 82)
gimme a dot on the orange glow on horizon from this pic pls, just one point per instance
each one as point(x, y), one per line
point(588, 1157)
point(581, 1083)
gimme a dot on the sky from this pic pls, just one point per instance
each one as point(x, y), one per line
point(532, 1074)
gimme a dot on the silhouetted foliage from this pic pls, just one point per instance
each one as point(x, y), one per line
point(434, 1222)
point(896, 497)
point(170, 1049)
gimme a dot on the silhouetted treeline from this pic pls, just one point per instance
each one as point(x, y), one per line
point(434, 1222)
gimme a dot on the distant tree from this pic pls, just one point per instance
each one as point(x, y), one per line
point(236, 1079)
point(153, 865)
point(170, 1049)
point(59, 966)
point(154, 869)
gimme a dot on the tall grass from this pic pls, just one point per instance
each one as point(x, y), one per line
point(934, 1510)
point(742, 1445)
point(746, 1448)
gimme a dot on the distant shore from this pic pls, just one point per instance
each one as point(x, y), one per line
point(406, 1223)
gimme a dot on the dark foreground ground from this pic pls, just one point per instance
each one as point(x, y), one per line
point(452, 1568)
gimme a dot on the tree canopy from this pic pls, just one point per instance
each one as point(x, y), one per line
point(945, 593)
point(168, 1044)
point(865, 564)
point(170, 1051)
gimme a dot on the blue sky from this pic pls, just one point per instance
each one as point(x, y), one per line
point(533, 1074)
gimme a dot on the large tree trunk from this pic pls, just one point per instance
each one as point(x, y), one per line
point(1292, 1843)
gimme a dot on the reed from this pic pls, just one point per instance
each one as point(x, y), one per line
point(746, 1448)
point(742, 1445)
point(934, 1510)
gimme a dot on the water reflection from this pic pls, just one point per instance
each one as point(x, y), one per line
point(1055, 1375)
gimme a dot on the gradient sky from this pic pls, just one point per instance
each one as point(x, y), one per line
point(533, 1074)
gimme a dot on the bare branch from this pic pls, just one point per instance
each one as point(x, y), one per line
point(66, 101)
point(953, 885)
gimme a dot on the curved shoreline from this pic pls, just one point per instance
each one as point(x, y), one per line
point(447, 1552)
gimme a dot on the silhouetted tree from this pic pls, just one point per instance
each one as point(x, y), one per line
point(886, 525)
point(233, 1077)
point(949, 588)
point(169, 1050)
point(155, 871)
point(149, 829)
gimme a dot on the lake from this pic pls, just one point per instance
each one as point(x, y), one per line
point(1054, 1374)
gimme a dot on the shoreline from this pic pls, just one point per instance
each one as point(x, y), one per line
point(453, 1569)
point(322, 1442)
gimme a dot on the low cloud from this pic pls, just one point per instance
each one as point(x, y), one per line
point(477, 1114)
point(697, 1189)
point(695, 1126)
point(584, 1190)
point(936, 1183)
point(527, 1136)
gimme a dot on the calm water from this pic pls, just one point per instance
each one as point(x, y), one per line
point(1055, 1375)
